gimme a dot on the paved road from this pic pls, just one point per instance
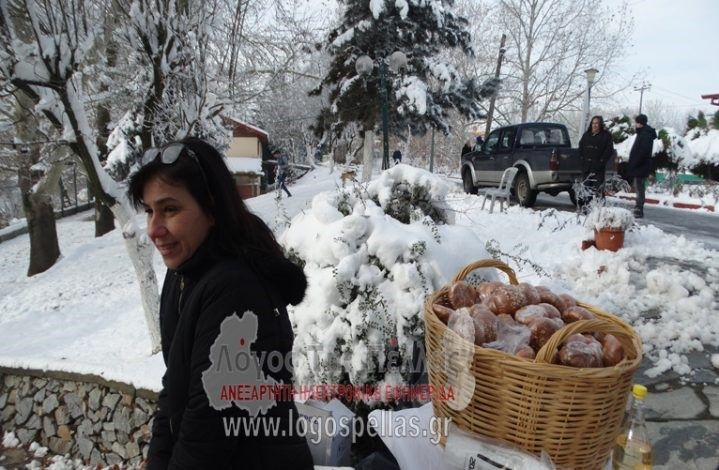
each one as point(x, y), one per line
point(694, 225)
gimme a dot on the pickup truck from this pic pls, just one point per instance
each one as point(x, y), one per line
point(541, 151)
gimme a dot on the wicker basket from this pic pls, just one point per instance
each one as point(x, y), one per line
point(573, 414)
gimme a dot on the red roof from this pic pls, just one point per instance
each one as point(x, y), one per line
point(714, 98)
point(243, 129)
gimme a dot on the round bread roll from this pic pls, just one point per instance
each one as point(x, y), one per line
point(506, 299)
point(566, 301)
point(542, 329)
point(552, 311)
point(549, 297)
point(530, 293)
point(581, 351)
point(576, 313)
point(485, 325)
point(476, 309)
point(526, 352)
point(443, 313)
point(485, 289)
point(461, 294)
point(612, 350)
point(528, 313)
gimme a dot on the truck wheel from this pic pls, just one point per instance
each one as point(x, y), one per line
point(573, 197)
point(468, 184)
point(525, 194)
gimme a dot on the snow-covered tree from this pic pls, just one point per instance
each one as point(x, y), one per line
point(420, 97)
point(164, 43)
point(549, 45)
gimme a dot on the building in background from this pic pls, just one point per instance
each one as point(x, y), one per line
point(244, 156)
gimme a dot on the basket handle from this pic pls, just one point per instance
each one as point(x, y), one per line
point(486, 263)
point(545, 354)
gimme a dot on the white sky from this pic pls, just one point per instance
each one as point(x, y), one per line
point(674, 48)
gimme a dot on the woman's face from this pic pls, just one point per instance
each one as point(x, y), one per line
point(596, 126)
point(176, 223)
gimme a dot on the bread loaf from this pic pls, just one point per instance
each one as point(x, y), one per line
point(506, 299)
point(462, 294)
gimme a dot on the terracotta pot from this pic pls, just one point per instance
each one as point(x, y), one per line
point(610, 239)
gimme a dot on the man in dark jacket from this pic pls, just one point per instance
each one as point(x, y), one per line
point(640, 160)
point(595, 148)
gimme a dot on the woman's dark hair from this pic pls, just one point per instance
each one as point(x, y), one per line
point(601, 123)
point(236, 231)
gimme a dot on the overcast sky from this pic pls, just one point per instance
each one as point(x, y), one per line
point(676, 50)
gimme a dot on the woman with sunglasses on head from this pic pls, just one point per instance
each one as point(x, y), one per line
point(224, 266)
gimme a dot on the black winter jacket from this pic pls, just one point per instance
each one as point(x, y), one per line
point(640, 156)
point(595, 150)
point(187, 433)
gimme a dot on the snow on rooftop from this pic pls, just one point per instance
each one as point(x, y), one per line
point(244, 165)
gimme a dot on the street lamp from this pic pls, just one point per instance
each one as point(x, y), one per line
point(591, 75)
point(364, 65)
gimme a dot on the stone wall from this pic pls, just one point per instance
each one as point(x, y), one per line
point(86, 416)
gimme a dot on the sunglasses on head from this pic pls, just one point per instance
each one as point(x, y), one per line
point(169, 155)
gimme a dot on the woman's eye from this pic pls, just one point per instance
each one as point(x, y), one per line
point(170, 209)
point(148, 211)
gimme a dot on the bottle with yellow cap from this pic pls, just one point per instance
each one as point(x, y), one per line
point(633, 450)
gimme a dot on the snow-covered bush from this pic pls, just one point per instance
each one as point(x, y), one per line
point(369, 274)
point(609, 217)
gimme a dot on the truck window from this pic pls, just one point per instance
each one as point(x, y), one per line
point(491, 144)
point(507, 140)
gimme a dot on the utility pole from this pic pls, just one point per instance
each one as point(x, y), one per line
point(645, 86)
point(502, 50)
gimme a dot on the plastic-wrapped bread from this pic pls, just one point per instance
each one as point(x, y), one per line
point(510, 337)
point(529, 313)
point(506, 299)
point(462, 323)
point(581, 351)
point(461, 294)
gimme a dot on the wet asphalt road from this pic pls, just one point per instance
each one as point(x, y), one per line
point(694, 225)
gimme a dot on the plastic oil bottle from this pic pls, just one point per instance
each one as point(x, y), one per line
point(633, 450)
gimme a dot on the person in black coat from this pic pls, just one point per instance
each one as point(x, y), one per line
point(595, 149)
point(397, 157)
point(224, 299)
point(640, 160)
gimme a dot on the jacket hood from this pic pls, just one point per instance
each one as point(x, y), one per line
point(286, 277)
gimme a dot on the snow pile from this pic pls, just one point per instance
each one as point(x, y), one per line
point(609, 217)
point(369, 275)
point(9, 439)
point(705, 147)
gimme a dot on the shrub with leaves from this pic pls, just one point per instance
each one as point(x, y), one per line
point(372, 255)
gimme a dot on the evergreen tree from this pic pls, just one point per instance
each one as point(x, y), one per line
point(420, 96)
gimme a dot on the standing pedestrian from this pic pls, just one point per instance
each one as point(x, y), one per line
point(595, 150)
point(283, 166)
point(640, 160)
point(223, 265)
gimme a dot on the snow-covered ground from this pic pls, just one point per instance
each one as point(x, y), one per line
point(84, 314)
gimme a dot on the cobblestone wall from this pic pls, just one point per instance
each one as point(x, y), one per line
point(99, 421)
